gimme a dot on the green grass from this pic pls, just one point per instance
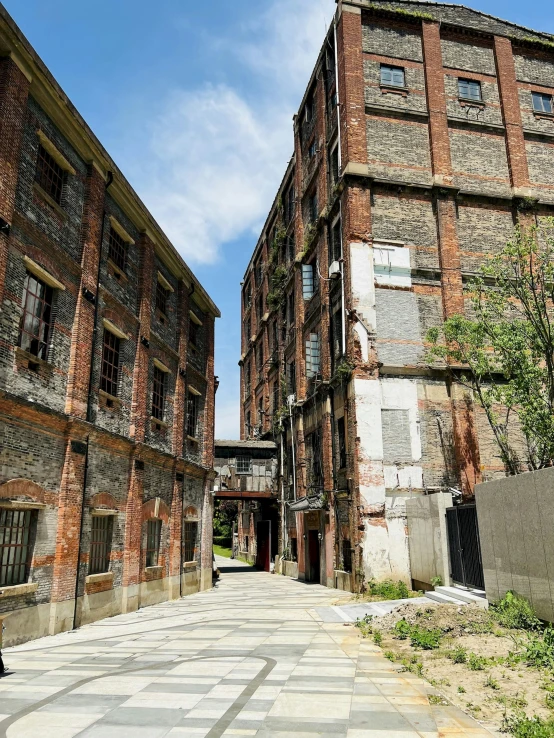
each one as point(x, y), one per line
point(220, 551)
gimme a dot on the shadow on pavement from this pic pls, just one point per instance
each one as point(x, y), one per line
point(236, 569)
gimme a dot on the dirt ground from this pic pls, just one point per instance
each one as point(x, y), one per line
point(488, 693)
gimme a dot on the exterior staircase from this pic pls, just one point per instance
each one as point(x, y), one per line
point(458, 595)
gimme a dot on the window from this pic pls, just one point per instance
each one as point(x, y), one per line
point(190, 537)
point(193, 407)
point(117, 250)
point(542, 103)
point(194, 332)
point(100, 544)
point(162, 295)
point(247, 379)
point(336, 335)
point(308, 286)
point(258, 273)
point(346, 555)
point(260, 308)
point(336, 241)
point(309, 110)
point(312, 151)
point(275, 396)
point(291, 248)
point(291, 378)
point(312, 208)
point(49, 175)
point(259, 352)
point(261, 412)
point(290, 308)
point(36, 319)
point(341, 432)
point(153, 535)
point(244, 464)
point(289, 204)
point(392, 76)
point(247, 296)
point(15, 546)
point(248, 423)
point(248, 328)
point(469, 89)
point(314, 461)
point(110, 364)
point(159, 393)
point(312, 355)
point(334, 165)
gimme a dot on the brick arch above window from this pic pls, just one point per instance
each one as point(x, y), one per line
point(155, 508)
point(24, 489)
point(104, 500)
point(191, 513)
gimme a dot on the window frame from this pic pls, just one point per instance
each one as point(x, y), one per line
point(312, 355)
point(308, 280)
point(153, 542)
point(117, 249)
point(189, 541)
point(50, 176)
point(162, 297)
point(244, 470)
point(193, 414)
point(543, 96)
point(30, 298)
point(471, 84)
point(101, 547)
point(21, 543)
point(109, 380)
point(159, 393)
point(399, 72)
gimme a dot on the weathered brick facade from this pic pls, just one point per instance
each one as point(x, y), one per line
point(417, 177)
point(106, 458)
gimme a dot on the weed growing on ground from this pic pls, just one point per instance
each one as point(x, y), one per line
point(427, 639)
point(377, 637)
point(437, 699)
point(458, 655)
point(388, 590)
point(476, 663)
point(461, 690)
point(524, 727)
point(538, 651)
point(390, 656)
point(491, 683)
point(515, 612)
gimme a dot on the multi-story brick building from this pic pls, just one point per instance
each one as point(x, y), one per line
point(106, 376)
point(425, 134)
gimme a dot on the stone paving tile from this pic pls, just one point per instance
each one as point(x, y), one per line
point(252, 657)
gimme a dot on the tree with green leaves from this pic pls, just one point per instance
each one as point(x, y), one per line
point(504, 352)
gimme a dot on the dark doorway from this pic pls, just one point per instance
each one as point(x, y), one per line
point(466, 567)
point(263, 541)
point(313, 555)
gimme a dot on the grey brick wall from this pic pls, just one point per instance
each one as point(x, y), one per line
point(398, 322)
point(531, 69)
point(540, 157)
point(415, 100)
point(530, 121)
point(396, 436)
point(395, 42)
point(482, 230)
point(479, 161)
point(490, 114)
point(389, 142)
point(470, 57)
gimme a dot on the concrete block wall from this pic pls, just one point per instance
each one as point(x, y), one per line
point(429, 559)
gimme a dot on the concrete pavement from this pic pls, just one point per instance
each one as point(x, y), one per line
point(252, 657)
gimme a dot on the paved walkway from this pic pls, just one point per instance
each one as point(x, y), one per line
point(253, 657)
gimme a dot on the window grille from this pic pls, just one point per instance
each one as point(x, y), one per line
point(244, 464)
point(162, 296)
point(117, 250)
point(258, 273)
point(307, 281)
point(192, 414)
point(49, 175)
point(312, 355)
point(100, 544)
point(36, 319)
point(153, 535)
point(158, 393)
point(190, 537)
point(393, 76)
point(110, 364)
point(469, 89)
point(15, 543)
point(542, 103)
point(312, 150)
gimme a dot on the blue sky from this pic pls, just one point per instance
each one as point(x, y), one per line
point(194, 101)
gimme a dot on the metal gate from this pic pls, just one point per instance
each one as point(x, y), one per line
point(464, 547)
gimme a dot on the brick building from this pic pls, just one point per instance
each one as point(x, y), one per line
point(246, 471)
point(425, 133)
point(106, 376)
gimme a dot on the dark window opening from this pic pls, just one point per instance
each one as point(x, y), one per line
point(346, 555)
point(36, 319)
point(291, 248)
point(153, 536)
point(194, 333)
point(49, 175)
point(341, 431)
point(313, 208)
point(314, 462)
point(469, 89)
point(190, 538)
point(110, 364)
point(15, 546)
point(392, 76)
point(334, 166)
point(289, 204)
point(248, 424)
point(117, 250)
point(312, 150)
point(159, 393)
point(162, 296)
point(336, 241)
point(193, 407)
point(293, 545)
point(100, 544)
point(291, 378)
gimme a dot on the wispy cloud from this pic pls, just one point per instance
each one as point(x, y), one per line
point(218, 152)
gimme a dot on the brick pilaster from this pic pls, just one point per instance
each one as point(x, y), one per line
point(206, 545)
point(14, 91)
point(351, 85)
point(69, 520)
point(209, 403)
point(133, 525)
point(140, 410)
point(179, 404)
point(449, 255)
point(84, 330)
point(176, 529)
point(466, 445)
point(511, 112)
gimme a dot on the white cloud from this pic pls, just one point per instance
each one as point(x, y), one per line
point(217, 156)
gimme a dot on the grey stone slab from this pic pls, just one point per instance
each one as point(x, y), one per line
point(103, 730)
point(90, 703)
point(379, 720)
point(306, 725)
point(143, 716)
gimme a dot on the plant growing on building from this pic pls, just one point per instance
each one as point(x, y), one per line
point(344, 370)
point(276, 294)
point(504, 352)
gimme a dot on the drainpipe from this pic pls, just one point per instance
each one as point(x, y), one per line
point(96, 306)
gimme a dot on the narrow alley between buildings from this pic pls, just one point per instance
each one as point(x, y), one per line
point(259, 655)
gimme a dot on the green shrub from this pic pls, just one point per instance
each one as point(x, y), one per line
point(538, 651)
point(524, 727)
point(402, 630)
point(223, 541)
point(476, 663)
point(458, 655)
point(514, 611)
point(377, 637)
point(425, 638)
point(388, 589)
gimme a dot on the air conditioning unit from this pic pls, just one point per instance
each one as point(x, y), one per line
point(291, 399)
point(334, 270)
